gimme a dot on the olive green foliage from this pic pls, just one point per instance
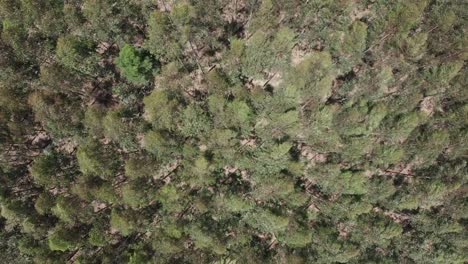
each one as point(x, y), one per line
point(161, 109)
point(220, 131)
point(69, 210)
point(136, 193)
point(93, 120)
point(93, 159)
point(266, 221)
point(62, 239)
point(75, 53)
point(203, 239)
point(161, 41)
point(140, 166)
point(123, 221)
point(98, 235)
point(57, 111)
point(194, 121)
point(44, 203)
point(263, 53)
point(314, 76)
point(100, 15)
point(345, 182)
point(47, 170)
point(119, 129)
point(296, 238)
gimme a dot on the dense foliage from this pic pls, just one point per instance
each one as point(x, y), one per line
point(233, 131)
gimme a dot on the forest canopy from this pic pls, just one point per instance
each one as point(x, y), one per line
point(245, 131)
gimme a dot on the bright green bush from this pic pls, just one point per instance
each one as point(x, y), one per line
point(134, 65)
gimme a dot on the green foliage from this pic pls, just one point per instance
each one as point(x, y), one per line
point(62, 239)
point(44, 203)
point(403, 126)
point(123, 221)
point(217, 131)
point(170, 198)
point(273, 188)
point(406, 15)
point(93, 159)
point(201, 172)
point(158, 144)
point(105, 192)
point(194, 121)
point(239, 115)
point(98, 236)
point(138, 257)
point(262, 164)
point(346, 182)
point(204, 240)
point(14, 212)
point(355, 40)
point(76, 53)
point(415, 46)
point(386, 155)
point(136, 194)
point(263, 53)
point(360, 119)
point(172, 230)
point(314, 76)
point(118, 129)
point(320, 134)
point(296, 238)
point(93, 120)
point(29, 246)
point(47, 170)
point(233, 203)
point(102, 17)
point(266, 221)
point(134, 65)
point(265, 16)
point(69, 210)
point(15, 35)
point(161, 42)
point(347, 207)
point(140, 167)
point(161, 109)
point(442, 74)
point(432, 142)
point(60, 115)
point(278, 124)
point(381, 231)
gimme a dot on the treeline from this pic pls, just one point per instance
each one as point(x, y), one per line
point(233, 131)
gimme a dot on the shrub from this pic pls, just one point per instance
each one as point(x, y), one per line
point(134, 65)
point(62, 239)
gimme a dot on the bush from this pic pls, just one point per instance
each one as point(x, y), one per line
point(62, 239)
point(134, 65)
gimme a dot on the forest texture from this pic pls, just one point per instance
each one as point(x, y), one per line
point(233, 131)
